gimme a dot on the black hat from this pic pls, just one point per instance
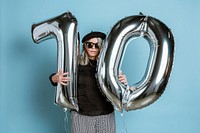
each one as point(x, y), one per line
point(92, 35)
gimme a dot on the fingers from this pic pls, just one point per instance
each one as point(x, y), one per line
point(122, 78)
point(60, 71)
point(120, 72)
point(65, 74)
point(63, 83)
point(63, 78)
point(124, 82)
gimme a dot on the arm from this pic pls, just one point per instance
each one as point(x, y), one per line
point(50, 78)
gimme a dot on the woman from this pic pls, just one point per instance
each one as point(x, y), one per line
point(96, 114)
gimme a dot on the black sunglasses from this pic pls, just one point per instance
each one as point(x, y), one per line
point(91, 45)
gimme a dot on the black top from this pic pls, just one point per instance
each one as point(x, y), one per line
point(91, 101)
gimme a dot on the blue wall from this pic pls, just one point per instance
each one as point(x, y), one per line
point(27, 98)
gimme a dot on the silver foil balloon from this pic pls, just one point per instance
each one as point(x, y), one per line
point(64, 29)
point(153, 83)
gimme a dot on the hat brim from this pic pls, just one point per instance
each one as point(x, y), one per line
point(93, 35)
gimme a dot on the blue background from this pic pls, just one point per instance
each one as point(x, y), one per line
point(27, 98)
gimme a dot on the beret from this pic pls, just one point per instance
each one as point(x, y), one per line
point(92, 35)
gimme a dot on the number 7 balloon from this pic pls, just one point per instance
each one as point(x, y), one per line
point(158, 69)
point(64, 29)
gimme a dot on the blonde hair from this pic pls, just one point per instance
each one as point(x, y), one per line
point(83, 57)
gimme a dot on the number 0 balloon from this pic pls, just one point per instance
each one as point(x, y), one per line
point(159, 65)
point(64, 29)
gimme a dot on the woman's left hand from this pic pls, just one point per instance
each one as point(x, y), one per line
point(122, 78)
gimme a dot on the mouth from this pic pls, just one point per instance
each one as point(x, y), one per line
point(93, 51)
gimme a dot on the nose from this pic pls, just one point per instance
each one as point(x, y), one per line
point(93, 46)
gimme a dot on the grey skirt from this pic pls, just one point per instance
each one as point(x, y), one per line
point(93, 124)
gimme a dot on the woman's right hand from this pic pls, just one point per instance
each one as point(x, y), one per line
point(60, 77)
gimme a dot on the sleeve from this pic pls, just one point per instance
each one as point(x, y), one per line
point(50, 78)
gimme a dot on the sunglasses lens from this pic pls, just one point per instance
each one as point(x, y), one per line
point(91, 45)
point(96, 45)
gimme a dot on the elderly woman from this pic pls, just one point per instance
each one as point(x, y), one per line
point(96, 114)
